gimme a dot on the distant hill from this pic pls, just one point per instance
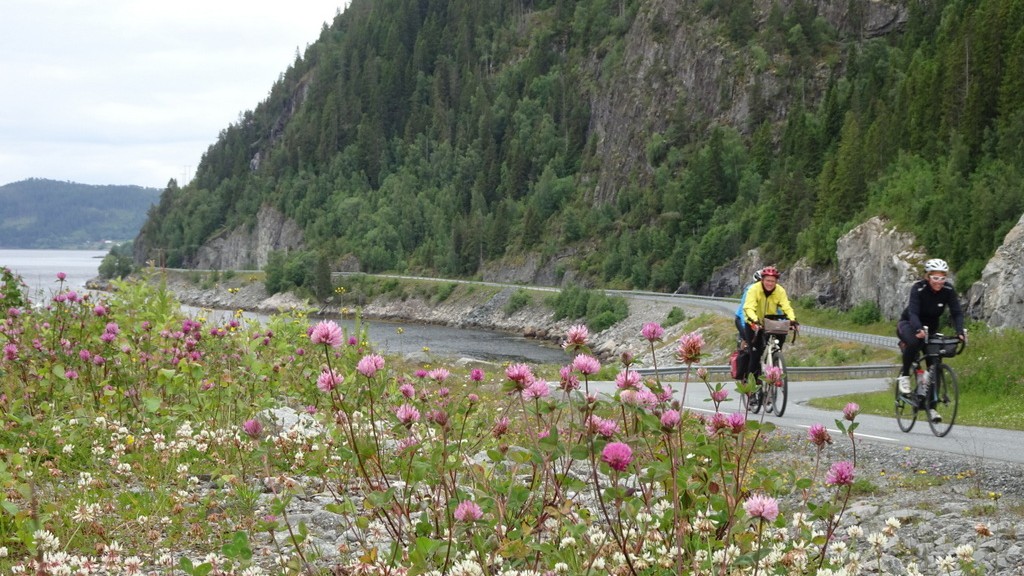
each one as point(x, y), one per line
point(39, 213)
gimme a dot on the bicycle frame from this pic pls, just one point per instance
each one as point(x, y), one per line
point(772, 395)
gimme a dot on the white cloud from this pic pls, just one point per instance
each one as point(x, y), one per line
point(135, 91)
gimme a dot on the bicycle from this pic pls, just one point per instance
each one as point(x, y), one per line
point(772, 398)
point(937, 388)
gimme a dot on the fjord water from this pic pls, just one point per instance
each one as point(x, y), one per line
point(39, 269)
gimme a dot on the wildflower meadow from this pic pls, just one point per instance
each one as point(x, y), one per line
point(138, 440)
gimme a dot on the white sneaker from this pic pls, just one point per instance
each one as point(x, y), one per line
point(904, 383)
point(934, 416)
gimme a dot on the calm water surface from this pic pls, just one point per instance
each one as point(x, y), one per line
point(39, 269)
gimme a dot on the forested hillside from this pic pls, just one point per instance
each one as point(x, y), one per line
point(39, 213)
point(653, 139)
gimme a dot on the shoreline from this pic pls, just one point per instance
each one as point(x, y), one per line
point(468, 307)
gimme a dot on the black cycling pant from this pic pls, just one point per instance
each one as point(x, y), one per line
point(909, 343)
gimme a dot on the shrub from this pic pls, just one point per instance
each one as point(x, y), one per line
point(865, 313)
point(599, 310)
point(444, 291)
point(299, 270)
point(519, 299)
point(675, 316)
point(12, 289)
point(118, 263)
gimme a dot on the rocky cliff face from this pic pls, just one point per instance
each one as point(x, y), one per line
point(243, 249)
point(877, 263)
point(676, 60)
point(998, 297)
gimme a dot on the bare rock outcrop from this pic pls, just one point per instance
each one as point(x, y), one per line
point(803, 280)
point(245, 249)
point(533, 269)
point(674, 59)
point(877, 263)
point(998, 297)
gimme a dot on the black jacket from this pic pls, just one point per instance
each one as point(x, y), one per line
point(925, 306)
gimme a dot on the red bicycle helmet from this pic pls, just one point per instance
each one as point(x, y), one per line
point(770, 271)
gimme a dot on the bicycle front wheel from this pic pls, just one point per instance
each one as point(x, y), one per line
point(945, 395)
point(906, 413)
point(781, 392)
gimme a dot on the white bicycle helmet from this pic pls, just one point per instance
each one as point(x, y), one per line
point(936, 265)
point(757, 275)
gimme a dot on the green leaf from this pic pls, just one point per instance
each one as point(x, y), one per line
point(152, 403)
point(238, 547)
point(579, 452)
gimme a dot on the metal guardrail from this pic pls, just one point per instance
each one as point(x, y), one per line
point(870, 339)
point(864, 370)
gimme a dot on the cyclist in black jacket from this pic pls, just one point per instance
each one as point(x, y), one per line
point(929, 297)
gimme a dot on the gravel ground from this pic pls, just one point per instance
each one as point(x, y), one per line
point(943, 502)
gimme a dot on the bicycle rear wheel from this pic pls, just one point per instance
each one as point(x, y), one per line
point(755, 400)
point(906, 414)
point(781, 393)
point(945, 394)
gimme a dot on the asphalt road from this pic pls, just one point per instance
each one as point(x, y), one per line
point(969, 441)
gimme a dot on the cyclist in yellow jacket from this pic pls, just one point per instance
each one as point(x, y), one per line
point(763, 298)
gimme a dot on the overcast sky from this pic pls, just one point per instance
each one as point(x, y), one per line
point(134, 91)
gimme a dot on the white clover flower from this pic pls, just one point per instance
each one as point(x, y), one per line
point(855, 531)
point(598, 564)
point(133, 565)
point(85, 512)
point(45, 540)
point(853, 564)
point(466, 568)
point(837, 549)
point(965, 552)
point(73, 422)
point(891, 525)
point(877, 540)
point(644, 517)
point(662, 506)
point(253, 571)
point(725, 555)
point(946, 563)
point(567, 542)
point(68, 448)
point(913, 570)
point(561, 568)
point(3, 552)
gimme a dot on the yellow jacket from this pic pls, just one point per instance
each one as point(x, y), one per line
point(758, 304)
